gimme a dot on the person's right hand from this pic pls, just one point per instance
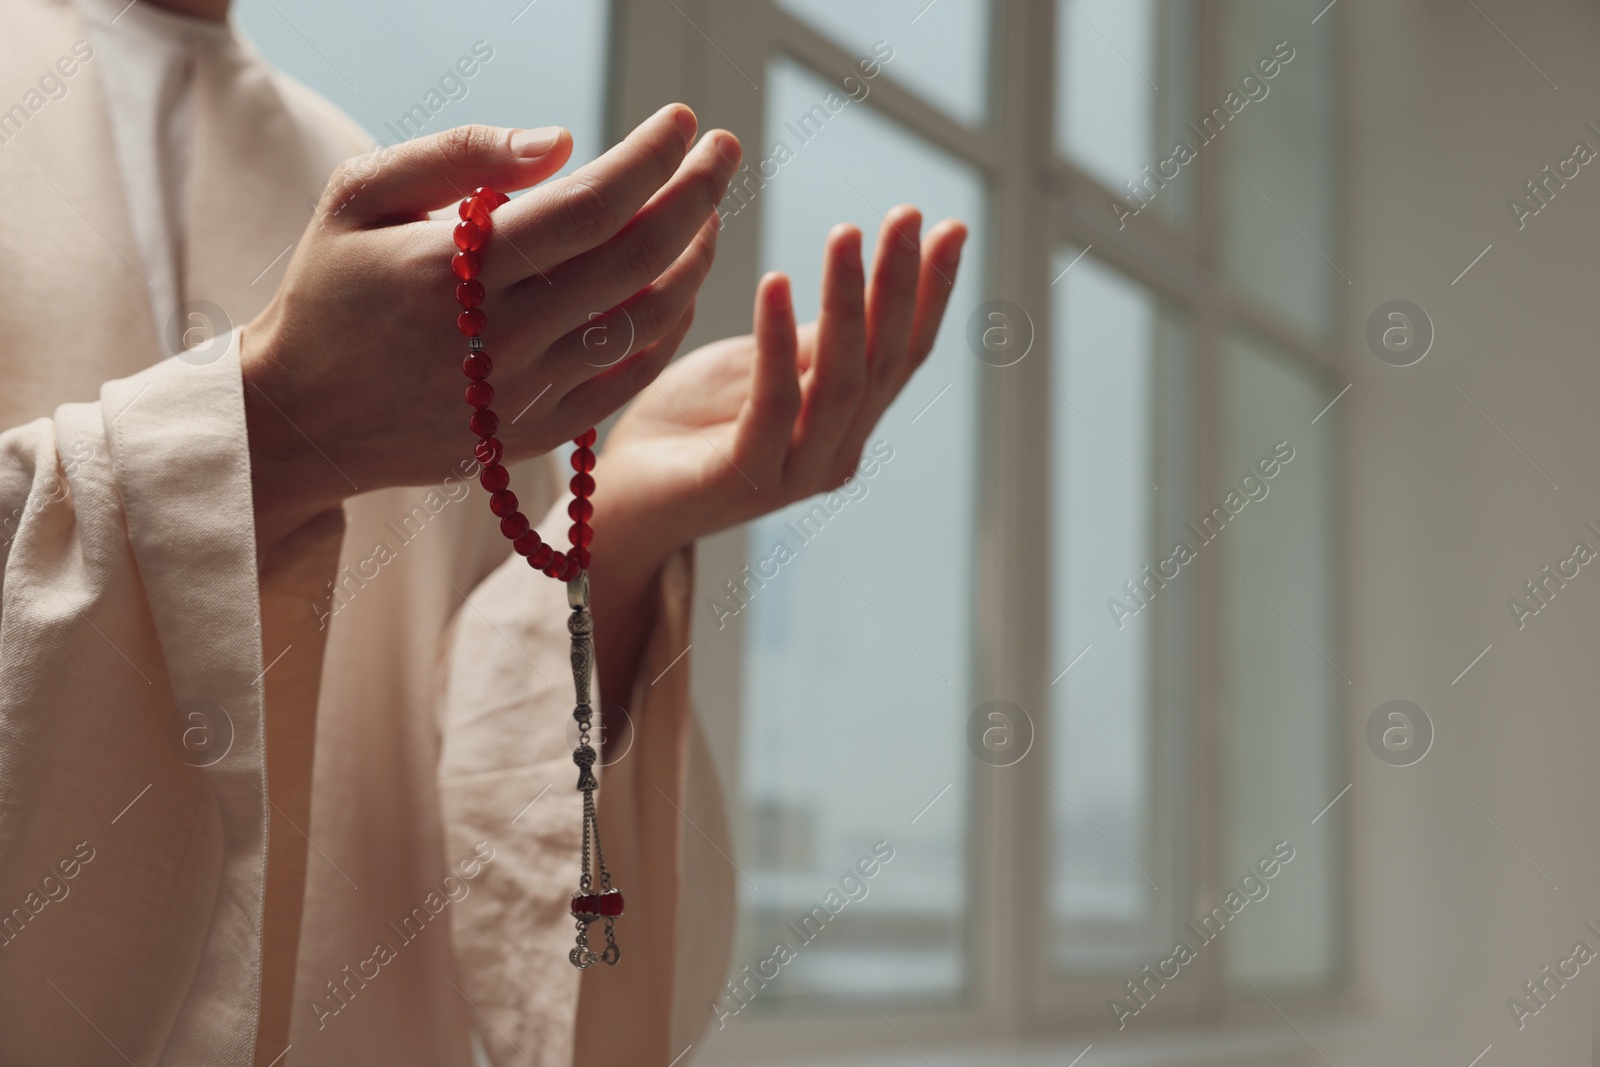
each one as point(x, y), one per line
point(352, 375)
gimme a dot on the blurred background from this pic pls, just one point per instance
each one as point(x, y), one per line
point(1233, 526)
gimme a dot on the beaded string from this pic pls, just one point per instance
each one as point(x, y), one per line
point(596, 898)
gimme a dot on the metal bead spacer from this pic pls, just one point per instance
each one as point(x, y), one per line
point(474, 344)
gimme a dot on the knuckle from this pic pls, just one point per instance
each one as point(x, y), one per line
point(711, 189)
point(588, 210)
point(662, 159)
point(847, 390)
point(644, 369)
point(347, 179)
point(784, 405)
point(344, 175)
point(655, 314)
point(466, 146)
point(647, 255)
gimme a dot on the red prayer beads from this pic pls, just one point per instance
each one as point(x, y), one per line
point(596, 905)
point(470, 235)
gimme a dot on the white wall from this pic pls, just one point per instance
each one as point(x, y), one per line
point(1447, 521)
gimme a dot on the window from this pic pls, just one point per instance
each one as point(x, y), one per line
point(941, 50)
point(404, 81)
point(1125, 74)
point(1120, 434)
point(854, 706)
point(1176, 307)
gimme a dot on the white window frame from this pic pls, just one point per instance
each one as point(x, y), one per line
point(706, 53)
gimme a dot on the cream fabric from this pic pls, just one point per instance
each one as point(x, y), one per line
point(130, 880)
point(145, 57)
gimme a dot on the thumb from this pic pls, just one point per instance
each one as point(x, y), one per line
point(415, 177)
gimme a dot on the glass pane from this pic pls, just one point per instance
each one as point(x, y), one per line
point(1123, 92)
point(938, 48)
point(856, 679)
point(1280, 241)
point(1281, 685)
point(407, 69)
point(1119, 430)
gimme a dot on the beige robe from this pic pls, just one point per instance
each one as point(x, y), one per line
point(444, 824)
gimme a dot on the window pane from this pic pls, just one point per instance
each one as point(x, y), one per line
point(1281, 688)
point(405, 65)
point(1119, 430)
point(855, 681)
point(940, 49)
point(1280, 234)
point(1124, 74)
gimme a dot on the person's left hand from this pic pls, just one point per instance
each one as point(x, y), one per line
point(746, 425)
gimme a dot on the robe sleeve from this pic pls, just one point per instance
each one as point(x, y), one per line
point(507, 778)
point(132, 813)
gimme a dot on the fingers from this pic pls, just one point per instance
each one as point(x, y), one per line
point(589, 207)
point(836, 382)
point(611, 388)
point(648, 244)
point(415, 177)
point(766, 421)
point(911, 288)
point(892, 300)
point(639, 322)
point(891, 312)
point(941, 258)
point(924, 291)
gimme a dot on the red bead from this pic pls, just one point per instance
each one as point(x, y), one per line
point(472, 321)
point(586, 439)
point(480, 394)
point(580, 510)
point(583, 485)
point(465, 265)
point(580, 556)
point(475, 210)
point(489, 450)
point(503, 503)
point(573, 569)
point(607, 904)
point(580, 535)
point(469, 294)
point(493, 197)
point(476, 366)
point(469, 236)
point(494, 478)
point(514, 525)
point(528, 543)
point(583, 460)
point(484, 422)
point(557, 565)
point(540, 557)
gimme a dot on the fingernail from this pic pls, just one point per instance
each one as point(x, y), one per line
point(531, 144)
point(728, 148)
point(688, 125)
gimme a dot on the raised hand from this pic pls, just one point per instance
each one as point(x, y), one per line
point(352, 373)
point(744, 426)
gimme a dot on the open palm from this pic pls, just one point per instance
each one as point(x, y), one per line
point(746, 425)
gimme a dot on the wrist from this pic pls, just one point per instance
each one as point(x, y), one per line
point(287, 488)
